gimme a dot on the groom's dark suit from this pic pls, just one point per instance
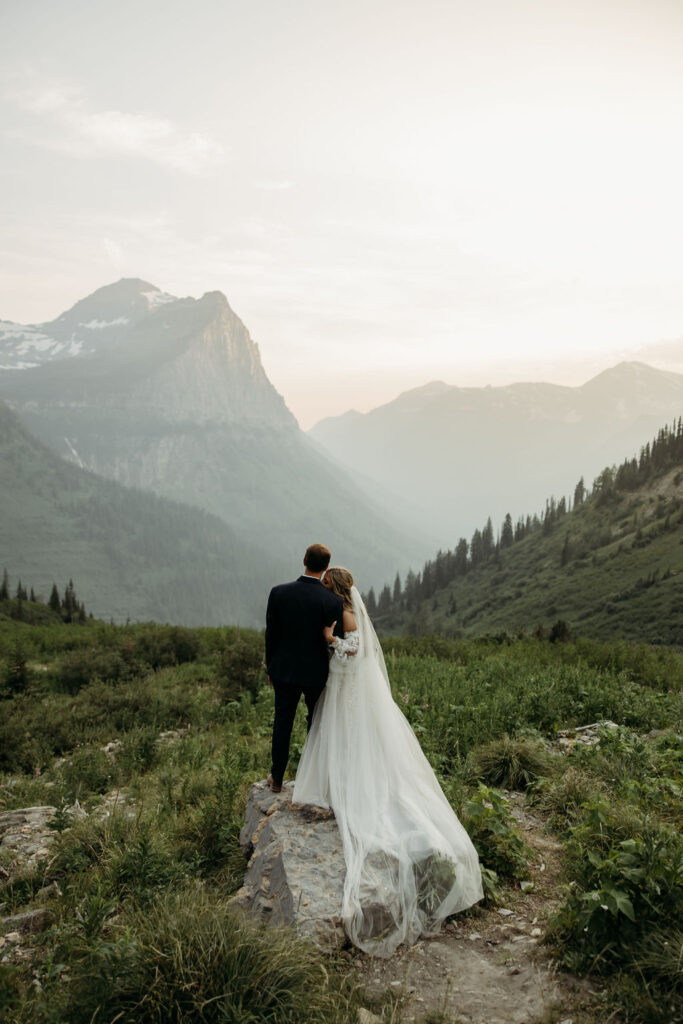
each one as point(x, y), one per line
point(297, 657)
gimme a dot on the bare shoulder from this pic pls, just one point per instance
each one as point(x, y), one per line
point(349, 621)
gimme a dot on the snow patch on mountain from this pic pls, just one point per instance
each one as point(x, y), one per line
point(98, 325)
point(158, 298)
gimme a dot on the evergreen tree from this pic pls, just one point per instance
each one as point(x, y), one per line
point(487, 543)
point(579, 493)
point(54, 601)
point(32, 596)
point(4, 587)
point(384, 602)
point(371, 602)
point(460, 558)
point(396, 597)
point(70, 604)
point(507, 536)
point(476, 549)
point(21, 594)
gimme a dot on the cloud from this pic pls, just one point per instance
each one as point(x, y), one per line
point(114, 252)
point(273, 186)
point(85, 133)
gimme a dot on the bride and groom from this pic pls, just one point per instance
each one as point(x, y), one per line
point(409, 861)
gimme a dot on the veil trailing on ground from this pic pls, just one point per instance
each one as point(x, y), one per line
point(409, 861)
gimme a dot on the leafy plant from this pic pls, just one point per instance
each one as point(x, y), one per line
point(499, 845)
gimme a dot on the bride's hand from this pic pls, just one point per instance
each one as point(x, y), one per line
point(328, 632)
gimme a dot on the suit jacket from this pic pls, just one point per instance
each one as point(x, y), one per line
point(296, 651)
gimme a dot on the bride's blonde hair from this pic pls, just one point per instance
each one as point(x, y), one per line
point(342, 581)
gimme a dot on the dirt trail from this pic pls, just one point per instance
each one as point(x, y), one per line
point(489, 966)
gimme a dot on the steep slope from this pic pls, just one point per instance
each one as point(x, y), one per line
point(131, 554)
point(465, 453)
point(175, 400)
point(612, 567)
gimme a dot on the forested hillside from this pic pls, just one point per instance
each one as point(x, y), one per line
point(608, 561)
point(138, 555)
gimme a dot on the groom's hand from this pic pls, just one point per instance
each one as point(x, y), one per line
point(328, 632)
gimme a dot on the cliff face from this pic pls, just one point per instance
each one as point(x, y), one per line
point(170, 395)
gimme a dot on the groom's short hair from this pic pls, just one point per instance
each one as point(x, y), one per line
point(317, 557)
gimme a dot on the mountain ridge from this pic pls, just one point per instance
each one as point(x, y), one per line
point(465, 453)
point(178, 403)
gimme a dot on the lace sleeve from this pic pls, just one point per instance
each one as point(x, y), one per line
point(348, 646)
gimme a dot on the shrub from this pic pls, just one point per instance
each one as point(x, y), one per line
point(16, 672)
point(511, 763)
point(161, 646)
point(87, 770)
point(499, 845)
point(627, 889)
point(240, 666)
point(78, 668)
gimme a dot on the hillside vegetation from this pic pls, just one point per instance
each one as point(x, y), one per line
point(610, 566)
point(140, 556)
point(145, 740)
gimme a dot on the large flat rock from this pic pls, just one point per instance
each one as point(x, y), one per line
point(296, 868)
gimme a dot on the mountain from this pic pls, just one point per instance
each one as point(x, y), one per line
point(611, 567)
point(169, 395)
point(462, 454)
point(132, 555)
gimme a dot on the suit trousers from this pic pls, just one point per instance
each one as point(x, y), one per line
point(287, 696)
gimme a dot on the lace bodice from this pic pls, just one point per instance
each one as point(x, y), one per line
point(345, 648)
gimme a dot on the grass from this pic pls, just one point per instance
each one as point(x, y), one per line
point(141, 925)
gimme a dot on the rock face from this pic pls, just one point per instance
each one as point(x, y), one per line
point(26, 836)
point(296, 868)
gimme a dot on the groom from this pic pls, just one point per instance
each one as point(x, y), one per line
point(297, 657)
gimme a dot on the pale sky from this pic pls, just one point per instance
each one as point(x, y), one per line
point(387, 192)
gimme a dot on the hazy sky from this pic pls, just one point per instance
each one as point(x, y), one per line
point(387, 192)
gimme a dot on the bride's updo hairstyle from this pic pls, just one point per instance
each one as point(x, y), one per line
point(342, 581)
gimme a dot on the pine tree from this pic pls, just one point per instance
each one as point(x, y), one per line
point(579, 493)
point(32, 596)
point(4, 587)
point(487, 543)
point(54, 601)
point(371, 602)
point(476, 549)
point(507, 536)
point(70, 604)
point(384, 602)
point(460, 559)
point(396, 597)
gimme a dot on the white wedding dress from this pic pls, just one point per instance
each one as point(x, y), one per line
point(409, 861)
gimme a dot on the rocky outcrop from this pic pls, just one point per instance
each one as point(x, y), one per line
point(25, 835)
point(295, 874)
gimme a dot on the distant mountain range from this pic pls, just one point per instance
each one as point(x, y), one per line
point(169, 395)
point(453, 456)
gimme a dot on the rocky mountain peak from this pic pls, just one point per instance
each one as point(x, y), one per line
point(123, 302)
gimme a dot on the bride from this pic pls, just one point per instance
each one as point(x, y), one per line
point(409, 861)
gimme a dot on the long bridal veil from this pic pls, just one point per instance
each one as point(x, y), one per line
point(409, 861)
